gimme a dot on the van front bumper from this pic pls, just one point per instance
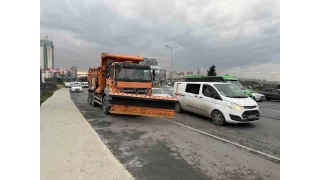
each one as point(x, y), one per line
point(242, 116)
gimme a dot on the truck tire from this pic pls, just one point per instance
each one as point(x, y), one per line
point(218, 118)
point(105, 105)
point(88, 99)
point(93, 103)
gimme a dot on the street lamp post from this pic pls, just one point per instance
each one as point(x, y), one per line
point(171, 59)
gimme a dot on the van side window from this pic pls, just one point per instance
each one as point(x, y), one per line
point(193, 88)
point(209, 91)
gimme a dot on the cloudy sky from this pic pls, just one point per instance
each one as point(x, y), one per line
point(240, 37)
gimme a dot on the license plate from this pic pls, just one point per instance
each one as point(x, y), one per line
point(251, 117)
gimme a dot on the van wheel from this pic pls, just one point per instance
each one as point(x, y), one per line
point(105, 105)
point(218, 118)
point(178, 107)
point(267, 99)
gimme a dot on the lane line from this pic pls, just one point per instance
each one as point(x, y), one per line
point(270, 117)
point(269, 104)
point(225, 140)
point(271, 110)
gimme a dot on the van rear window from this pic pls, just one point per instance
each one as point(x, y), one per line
point(193, 88)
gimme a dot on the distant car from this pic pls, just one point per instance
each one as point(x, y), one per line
point(76, 88)
point(257, 96)
point(271, 94)
point(159, 92)
point(168, 90)
point(68, 84)
point(85, 84)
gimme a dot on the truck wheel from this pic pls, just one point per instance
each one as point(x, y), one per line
point(218, 118)
point(93, 103)
point(88, 99)
point(105, 105)
point(178, 107)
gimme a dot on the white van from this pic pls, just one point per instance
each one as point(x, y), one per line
point(223, 102)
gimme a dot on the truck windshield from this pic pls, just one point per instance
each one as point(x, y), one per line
point(230, 90)
point(133, 75)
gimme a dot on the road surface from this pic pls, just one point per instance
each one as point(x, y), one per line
point(154, 148)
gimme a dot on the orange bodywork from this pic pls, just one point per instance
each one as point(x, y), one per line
point(129, 103)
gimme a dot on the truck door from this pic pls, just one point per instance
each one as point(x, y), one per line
point(192, 97)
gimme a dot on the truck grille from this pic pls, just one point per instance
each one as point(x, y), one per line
point(134, 90)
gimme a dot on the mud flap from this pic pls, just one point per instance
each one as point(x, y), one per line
point(142, 105)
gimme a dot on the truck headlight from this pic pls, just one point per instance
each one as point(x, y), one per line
point(234, 106)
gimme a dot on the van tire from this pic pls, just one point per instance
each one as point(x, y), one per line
point(178, 107)
point(218, 118)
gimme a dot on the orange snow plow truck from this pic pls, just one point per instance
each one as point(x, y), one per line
point(123, 86)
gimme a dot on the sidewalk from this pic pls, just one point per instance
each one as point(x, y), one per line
point(70, 148)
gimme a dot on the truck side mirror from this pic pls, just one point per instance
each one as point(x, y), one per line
point(153, 74)
point(109, 62)
point(107, 71)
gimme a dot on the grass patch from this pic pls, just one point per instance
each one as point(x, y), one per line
point(44, 98)
point(59, 86)
point(49, 94)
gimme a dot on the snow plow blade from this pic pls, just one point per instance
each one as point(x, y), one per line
point(142, 105)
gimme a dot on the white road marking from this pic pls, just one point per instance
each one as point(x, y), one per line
point(272, 110)
point(225, 140)
point(269, 104)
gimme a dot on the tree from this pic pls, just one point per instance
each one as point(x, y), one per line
point(212, 71)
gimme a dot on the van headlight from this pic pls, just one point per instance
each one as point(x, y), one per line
point(234, 106)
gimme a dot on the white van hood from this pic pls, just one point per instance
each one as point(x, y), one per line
point(242, 101)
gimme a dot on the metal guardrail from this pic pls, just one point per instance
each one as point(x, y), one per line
point(47, 88)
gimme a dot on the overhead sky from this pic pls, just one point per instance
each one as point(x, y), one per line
point(240, 37)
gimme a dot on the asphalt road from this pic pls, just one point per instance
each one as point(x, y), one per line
point(270, 109)
point(154, 148)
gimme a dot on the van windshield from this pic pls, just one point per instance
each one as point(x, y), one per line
point(230, 90)
point(236, 83)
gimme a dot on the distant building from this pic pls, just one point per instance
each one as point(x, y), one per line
point(202, 72)
point(46, 53)
point(163, 74)
point(180, 75)
point(174, 75)
point(73, 72)
point(189, 73)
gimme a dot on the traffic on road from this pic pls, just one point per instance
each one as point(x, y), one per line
point(191, 145)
